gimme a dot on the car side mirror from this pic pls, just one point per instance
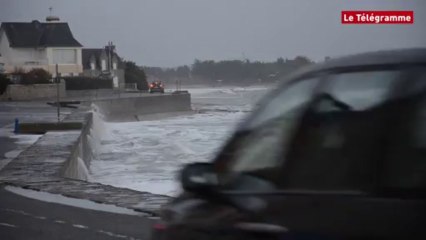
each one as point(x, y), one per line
point(198, 178)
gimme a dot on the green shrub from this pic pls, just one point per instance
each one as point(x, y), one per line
point(4, 82)
point(37, 76)
point(87, 83)
point(34, 76)
point(134, 74)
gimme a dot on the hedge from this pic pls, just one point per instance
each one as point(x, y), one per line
point(4, 82)
point(87, 83)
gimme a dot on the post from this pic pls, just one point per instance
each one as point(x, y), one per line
point(16, 130)
point(58, 106)
point(109, 57)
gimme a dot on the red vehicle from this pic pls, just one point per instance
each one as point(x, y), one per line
point(156, 86)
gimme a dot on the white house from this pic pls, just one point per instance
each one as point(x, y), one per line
point(35, 44)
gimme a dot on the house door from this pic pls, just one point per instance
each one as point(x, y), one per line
point(115, 82)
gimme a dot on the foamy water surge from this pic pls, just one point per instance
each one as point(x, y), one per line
point(147, 155)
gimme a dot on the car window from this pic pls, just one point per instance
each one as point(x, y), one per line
point(405, 163)
point(337, 144)
point(260, 149)
point(361, 90)
point(284, 102)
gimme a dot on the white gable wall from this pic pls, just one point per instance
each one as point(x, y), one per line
point(28, 56)
point(4, 47)
point(25, 58)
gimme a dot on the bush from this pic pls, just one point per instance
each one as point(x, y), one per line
point(4, 82)
point(87, 83)
point(134, 74)
point(34, 76)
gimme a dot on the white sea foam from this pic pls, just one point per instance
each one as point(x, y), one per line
point(147, 155)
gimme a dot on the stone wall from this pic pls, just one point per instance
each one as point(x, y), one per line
point(18, 92)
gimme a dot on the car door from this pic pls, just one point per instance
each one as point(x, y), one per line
point(330, 176)
point(402, 173)
point(320, 159)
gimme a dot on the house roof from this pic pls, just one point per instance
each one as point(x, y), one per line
point(37, 34)
point(88, 53)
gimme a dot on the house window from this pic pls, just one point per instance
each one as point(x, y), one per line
point(114, 65)
point(92, 65)
point(103, 63)
point(64, 56)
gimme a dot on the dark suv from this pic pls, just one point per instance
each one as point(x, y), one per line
point(336, 152)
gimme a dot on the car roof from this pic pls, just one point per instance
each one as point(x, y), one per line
point(379, 58)
point(385, 57)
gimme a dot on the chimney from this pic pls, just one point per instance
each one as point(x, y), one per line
point(52, 18)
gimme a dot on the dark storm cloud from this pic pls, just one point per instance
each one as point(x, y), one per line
point(174, 32)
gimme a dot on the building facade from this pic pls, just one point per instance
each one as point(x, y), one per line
point(29, 45)
point(98, 62)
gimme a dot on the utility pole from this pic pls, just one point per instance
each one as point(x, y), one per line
point(109, 56)
point(111, 53)
point(111, 48)
point(58, 106)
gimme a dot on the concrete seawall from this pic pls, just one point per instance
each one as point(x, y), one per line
point(129, 109)
point(81, 153)
point(119, 109)
point(18, 92)
point(59, 161)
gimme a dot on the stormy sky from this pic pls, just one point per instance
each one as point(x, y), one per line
point(169, 33)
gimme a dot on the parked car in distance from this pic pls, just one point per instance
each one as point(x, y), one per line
point(336, 152)
point(156, 86)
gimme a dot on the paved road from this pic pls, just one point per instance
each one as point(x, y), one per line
point(25, 112)
point(24, 218)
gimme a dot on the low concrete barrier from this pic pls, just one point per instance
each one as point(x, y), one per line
point(42, 128)
point(81, 154)
point(128, 109)
point(18, 92)
point(95, 93)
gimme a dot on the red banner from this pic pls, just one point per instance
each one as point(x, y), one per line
point(377, 17)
